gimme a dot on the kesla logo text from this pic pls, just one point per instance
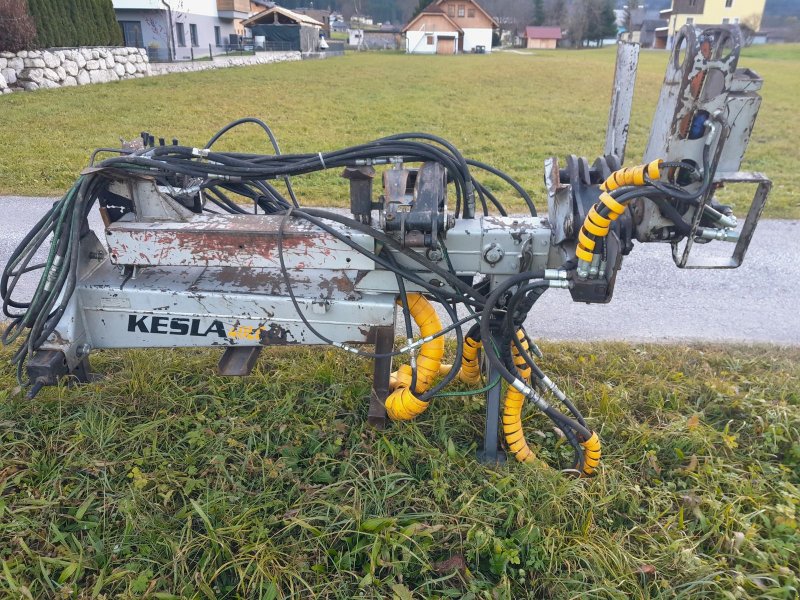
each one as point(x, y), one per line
point(174, 326)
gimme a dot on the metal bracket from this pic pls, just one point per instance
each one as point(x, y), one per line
point(492, 453)
point(682, 257)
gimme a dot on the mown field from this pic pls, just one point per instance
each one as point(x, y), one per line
point(165, 481)
point(511, 110)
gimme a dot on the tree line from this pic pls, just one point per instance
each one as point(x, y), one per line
point(57, 23)
point(583, 21)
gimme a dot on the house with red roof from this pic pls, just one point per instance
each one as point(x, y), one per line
point(450, 27)
point(543, 38)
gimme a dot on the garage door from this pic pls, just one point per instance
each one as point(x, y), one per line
point(445, 46)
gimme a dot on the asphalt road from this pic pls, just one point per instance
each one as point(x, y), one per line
point(654, 301)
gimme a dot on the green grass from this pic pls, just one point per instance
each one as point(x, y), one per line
point(508, 109)
point(171, 482)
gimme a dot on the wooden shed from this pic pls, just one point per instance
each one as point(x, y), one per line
point(283, 29)
point(544, 38)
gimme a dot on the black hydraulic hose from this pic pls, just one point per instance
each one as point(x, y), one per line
point(401, 288)
point(479, 187)
point(534, 367)
point(486, 323)
point(520, 190)
point(395, 245)
point(511, 322)
point(273, 140)
point(317, 333)
point(453, 372)
point(410, 275)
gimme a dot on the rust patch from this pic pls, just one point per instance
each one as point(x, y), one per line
point(275, 335)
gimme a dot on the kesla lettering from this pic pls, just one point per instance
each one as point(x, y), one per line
point(174, 326)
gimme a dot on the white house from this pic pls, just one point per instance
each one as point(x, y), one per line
point(178, 29)
point(450, 27)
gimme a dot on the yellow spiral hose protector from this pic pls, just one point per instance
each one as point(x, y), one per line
point(632, 175)
point(591, 454)
point(470, 368)
point(512, 408)
point(597, 225)
point(402, 404)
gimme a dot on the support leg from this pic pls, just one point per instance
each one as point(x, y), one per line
point(491, 453)
point(384, 341)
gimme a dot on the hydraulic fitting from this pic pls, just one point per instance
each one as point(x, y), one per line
point(555, 274)
point(722, 235)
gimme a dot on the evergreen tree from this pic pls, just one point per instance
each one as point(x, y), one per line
point(49, 17)
point(115, 31)
point(69, 30)
point(538, 12)
point(75, 23)
point(89, 25)
point(607, 26)
point(421, 6)
point(33, 10)
point(102, 26)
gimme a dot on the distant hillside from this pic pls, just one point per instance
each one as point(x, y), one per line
point(777, 8)
point(649, 4)
point(782, 8)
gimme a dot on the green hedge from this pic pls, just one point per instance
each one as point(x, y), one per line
point(61, 23)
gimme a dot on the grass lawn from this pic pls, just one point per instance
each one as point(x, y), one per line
point(165, 481)
point(171, 482)
point(511, 110)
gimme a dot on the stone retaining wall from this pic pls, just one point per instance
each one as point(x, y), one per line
point(222, 62)
point(34, 69)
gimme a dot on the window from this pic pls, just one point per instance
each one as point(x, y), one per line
point(725, 21)
point(736, 20)
point(689, 20)
point(193, 34)
point(692, 3)
point(132, 33)
point(430, 40)
point(728, 3)
point(179, 31)
point(451, 10)
point(217, 35)
point(460, 10)
point(471, 13)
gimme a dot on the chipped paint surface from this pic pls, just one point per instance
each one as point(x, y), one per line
point(233, 240)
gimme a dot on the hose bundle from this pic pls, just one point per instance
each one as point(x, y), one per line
point(204, 180)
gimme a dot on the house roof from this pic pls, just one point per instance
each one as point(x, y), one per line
point(285, 12)
point(435, 9)
point(476, 5)
point(543, 33)
point(432, 13)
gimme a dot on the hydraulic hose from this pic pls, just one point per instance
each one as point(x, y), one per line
point(512, 408)
point(598, 221)
point(402, 404)
point(470, 366)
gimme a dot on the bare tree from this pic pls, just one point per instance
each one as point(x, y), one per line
point(555, 12)
point(513, 15)
point(17, 29)
point(748, 26)
point(577, 22)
